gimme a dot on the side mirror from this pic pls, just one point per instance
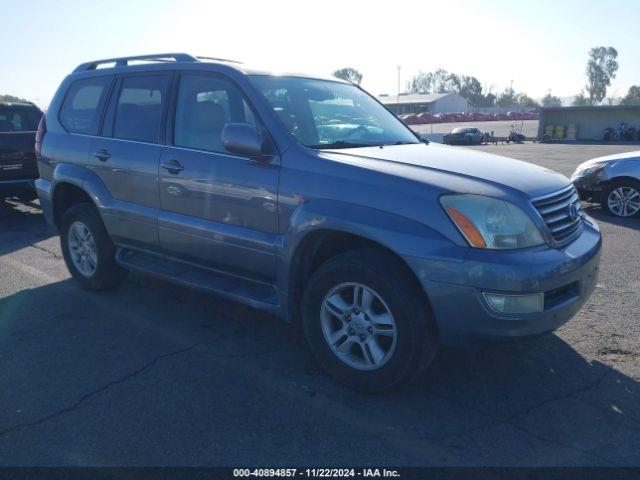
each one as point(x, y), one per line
point(242, 139)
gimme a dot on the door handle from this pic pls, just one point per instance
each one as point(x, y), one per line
point(102, 154)
point(172, 166)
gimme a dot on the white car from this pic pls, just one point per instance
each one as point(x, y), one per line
point(613, 181)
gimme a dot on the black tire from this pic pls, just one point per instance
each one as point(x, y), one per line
point(108, 274)
point(613, 185)
point(416, 340)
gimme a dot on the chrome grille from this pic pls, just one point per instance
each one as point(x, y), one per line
point(562, 213)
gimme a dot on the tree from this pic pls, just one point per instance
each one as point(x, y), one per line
point(349, 74)
point(632, 97)
point(489, 100)
point(526, 101)
point(12, 98)
point(551, 101)
point(601, 68)
point(421, 83)
point(507, 98)
point(468, 87)
point(580, 99)
point(442, 81)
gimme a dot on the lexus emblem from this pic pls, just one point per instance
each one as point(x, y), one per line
point(574, 211)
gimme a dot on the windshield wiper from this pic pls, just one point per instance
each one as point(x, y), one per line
point(405, 142)
point(343, 144)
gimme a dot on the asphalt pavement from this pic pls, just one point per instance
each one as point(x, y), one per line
point(152, 374)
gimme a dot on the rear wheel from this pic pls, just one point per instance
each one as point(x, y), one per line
point(88, 250)
point(367, 322)
point(622, 198)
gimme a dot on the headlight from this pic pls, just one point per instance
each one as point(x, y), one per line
point(491, 223)
point(590, 170)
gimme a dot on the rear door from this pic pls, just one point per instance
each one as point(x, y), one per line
point(218, 209)
point(125, 157)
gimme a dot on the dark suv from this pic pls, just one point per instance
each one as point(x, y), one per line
point(306, 197)
point(18, 167)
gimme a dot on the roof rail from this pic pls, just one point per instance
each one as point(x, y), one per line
point(218, 59)
point(124, 61)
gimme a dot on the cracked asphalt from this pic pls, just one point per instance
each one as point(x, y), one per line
point(152, 374)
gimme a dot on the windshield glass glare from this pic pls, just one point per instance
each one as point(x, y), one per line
point(327, 114)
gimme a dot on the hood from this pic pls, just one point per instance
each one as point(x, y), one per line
point(483, 167)
point(616, 157)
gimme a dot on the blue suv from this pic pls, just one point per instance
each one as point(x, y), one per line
point(305, 197)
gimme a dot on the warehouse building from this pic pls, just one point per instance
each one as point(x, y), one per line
point(426, 102)
point(588, 122)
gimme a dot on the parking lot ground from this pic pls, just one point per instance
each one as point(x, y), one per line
point(152, 374)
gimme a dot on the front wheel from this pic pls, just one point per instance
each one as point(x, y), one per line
point(88, 250)
point(367, 322)
point(622, 198)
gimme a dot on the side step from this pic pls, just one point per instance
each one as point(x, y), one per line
point(255, 294)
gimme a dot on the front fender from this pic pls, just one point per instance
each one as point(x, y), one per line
point(405, 237)
point(624, 168)
point(399, 234)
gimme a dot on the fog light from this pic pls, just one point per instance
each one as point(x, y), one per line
point(515, 304)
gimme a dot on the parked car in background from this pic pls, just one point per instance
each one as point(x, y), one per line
point(273, 191)
point(613, 181)
point(18, 167)
point(464, 136)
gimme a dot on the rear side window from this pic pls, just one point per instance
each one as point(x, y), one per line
point(81, 108)
point(139, 109)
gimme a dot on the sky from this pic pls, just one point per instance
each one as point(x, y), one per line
point(538, 45)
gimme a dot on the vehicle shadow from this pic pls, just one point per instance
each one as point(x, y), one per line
point(21, 224)
point(595, 210)
point(535, 402)
point(539, 394)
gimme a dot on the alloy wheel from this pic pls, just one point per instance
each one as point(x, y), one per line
point(82, 248)
point(358, 326)
point(624, 201)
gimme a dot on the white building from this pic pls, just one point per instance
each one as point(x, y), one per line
point(426, 102)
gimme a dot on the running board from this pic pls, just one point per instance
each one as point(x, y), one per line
point(255, 294)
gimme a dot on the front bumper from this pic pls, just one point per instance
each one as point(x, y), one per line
point(593, 195)
point(590, 186)
point(566, 276)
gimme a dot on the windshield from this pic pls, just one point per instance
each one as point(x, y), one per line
point(326, 114)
